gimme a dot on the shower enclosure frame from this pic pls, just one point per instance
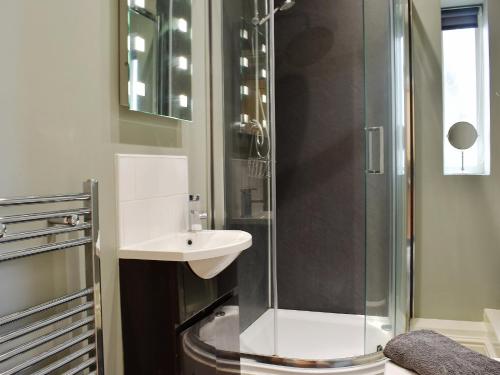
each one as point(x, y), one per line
point(404, 258)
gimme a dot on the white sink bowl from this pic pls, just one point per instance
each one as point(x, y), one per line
point(208, 252)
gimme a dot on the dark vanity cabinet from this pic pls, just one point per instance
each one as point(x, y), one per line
point(159, 302)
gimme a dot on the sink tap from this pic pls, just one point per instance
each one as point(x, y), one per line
point(195, 214)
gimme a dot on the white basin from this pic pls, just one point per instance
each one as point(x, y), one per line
point(208, 252)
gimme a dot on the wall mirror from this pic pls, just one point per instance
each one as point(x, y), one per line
point(156, 57)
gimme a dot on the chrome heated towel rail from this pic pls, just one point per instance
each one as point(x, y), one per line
point(62, 335)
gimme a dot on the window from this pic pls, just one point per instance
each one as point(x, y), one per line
point(466, 126)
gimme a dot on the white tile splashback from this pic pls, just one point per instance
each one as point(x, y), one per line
point(152, 196)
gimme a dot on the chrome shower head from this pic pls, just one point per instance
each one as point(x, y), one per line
point(287, 4)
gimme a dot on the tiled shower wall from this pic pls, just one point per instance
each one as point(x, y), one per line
point(320, 151)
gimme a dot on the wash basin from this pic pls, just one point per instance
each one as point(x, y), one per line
point(208, 252)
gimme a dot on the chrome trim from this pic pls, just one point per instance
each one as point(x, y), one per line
point(411, 157)
point(44, 249)
point(42, 233)
point(273, 241)
point(49, 353)
point(45, 322)
point(285, 362)
point(143, 12)
point(46, 338)
point(64, 361)
point(370, 130)
point(15, 219)
point(72, 220)
point(304, 363)
point(82, 366)
point(211, 118)
point(4, 202)
point(45, 306)
point(93, 262)
point(59, 222)
point(194, 197)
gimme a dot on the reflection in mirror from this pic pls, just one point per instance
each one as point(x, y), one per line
point(466, 86)
point(462, 135)
point(159, 57)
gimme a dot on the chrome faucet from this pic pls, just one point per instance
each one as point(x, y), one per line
point(195, 214)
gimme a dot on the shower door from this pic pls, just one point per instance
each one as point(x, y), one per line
point(386, 72)
point(324, 207)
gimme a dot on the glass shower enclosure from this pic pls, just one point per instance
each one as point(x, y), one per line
point(311, 140)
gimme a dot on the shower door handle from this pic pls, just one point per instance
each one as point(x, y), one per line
point(375, 163)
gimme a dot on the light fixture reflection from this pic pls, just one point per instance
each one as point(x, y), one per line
point(182, 25)
point(137, 3)
point(183, 101)
point(182, 63)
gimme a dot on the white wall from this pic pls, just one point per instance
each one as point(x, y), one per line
point(60, 123)
point(457, 217)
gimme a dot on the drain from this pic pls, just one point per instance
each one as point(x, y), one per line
point(189, 242)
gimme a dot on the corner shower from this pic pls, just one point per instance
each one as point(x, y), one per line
point(313, 150)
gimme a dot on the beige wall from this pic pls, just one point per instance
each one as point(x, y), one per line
point(457, 217)
point(60, 123)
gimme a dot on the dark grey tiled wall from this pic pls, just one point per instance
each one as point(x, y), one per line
point(320, 156)
point(253, 279)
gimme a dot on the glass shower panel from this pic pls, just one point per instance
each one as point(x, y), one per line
point(245, 89)
point(402, 193)
point(316, 261)
point(385, 165)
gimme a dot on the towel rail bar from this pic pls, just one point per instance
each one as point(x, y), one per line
point(71, 335)
point(45, 306)
point(45, 322)
point(49, 353)
point(82, 366)
point(24, 218)
point(4, 202)
point(46, 338)
point(64, 361)
point(43, 232)
point(44, 249)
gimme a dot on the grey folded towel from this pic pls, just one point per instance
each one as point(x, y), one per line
point(429, 353)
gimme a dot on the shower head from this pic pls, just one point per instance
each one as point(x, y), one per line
point(287, 4)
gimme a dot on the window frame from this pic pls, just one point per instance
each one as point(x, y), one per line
point(482, 166)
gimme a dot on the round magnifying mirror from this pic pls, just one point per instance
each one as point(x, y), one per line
point(462, 135)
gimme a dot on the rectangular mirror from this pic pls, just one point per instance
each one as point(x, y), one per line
point(156, 64)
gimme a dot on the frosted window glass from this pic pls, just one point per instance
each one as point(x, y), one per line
point(464, 98)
